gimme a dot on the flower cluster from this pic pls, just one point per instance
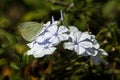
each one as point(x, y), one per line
point(49, 37)
point(83, 43)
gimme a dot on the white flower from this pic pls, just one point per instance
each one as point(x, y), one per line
point(44, 34)
point(53, 33)
point(73, 29)
point(40, 52)
point(83, 43)
point(79, 42)
point(40, 49)
point(57, 34)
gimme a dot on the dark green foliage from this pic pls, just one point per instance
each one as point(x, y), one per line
point(101, 17)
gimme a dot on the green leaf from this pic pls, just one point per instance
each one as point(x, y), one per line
point(14, 66)
point(3, 61)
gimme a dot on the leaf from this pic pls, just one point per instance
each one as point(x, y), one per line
point(3, 61)
point(14, 66)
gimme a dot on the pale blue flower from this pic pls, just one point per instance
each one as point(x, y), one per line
point(78, 42)
point(40, 49)
point(40, 52)
point(57, 34)
point(73, 29)
point(44, 34)
point(54, 33)
point(82, 43)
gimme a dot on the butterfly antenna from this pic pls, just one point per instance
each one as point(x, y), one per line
point(53, 19)
point(62, 16)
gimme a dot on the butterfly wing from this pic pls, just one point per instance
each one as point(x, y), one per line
point(30, 30)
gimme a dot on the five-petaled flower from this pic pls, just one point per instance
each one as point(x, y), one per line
point(78, 42)
point(57, 34)
point(83, 43)
point(38, 50)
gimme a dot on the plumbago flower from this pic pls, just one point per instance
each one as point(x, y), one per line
point(57, 34)
point(44, 34)
point(40, 49)
point(49, 37)
point(84, 44)
point(78, 41)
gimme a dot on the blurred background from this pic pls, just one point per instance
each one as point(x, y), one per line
point(102, 17)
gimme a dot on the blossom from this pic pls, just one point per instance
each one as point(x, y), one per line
point(40, 49)
point(82, 43)
point(54, 33)
point(79, 42)
point(40, 52)
point(44, 34)
point(73, 29)
point(57, 34)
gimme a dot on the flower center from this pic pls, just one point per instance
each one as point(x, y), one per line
point(75, 43)
point(56, 34)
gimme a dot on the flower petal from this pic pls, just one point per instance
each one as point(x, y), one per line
point(62, 29)
point(49, 50)
point(48, 35)
point(78, 36)
point(30, 52)
point(38, 54)
point(96, 45)
point(84, 36)
point(40, 38)
point(73, 29)
point(86, 44)
point(47, 24)
point(75, 36)
point(69, 45)
point(91, 51)
point(53, 29)
point(54, 40)
point(63, 37)
point(103, 52)
point(30, 45)
point(81, 50)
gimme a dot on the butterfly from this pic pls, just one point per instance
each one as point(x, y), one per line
point(30, 30)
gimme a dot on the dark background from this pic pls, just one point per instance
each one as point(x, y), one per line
point(101, 17)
